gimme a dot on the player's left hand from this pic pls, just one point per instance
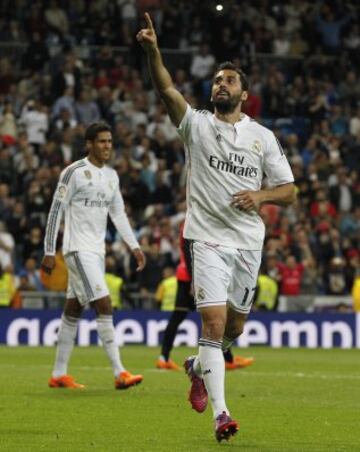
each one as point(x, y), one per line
point(140, 259)
point(247, 200)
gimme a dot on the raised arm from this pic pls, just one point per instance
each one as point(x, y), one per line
point(161, 79)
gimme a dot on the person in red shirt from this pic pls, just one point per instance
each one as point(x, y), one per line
point(185, 303)
point(291, 276)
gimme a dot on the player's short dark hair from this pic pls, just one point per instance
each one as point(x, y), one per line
point(229, 65)
point(95, 128)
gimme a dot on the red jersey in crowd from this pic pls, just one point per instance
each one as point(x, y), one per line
point(182, 271)
point(290, 283)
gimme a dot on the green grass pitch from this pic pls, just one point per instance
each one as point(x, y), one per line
point(289, 400)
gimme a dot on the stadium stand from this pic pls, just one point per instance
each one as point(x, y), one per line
point(64, 64)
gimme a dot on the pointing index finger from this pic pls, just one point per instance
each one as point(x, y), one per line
point(149, 21)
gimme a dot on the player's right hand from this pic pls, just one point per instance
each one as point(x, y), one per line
point(147, 36)
point(140, 259)
point(48, 264)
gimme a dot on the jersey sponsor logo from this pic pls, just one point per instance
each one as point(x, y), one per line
point(88, 174)
point(96, 203)
point(230, 167)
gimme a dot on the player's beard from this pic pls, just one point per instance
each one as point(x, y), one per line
point(228, 105)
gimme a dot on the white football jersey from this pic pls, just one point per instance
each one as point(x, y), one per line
point(223, 159)
point(87, 194)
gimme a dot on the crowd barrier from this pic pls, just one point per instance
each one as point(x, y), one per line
point(311, 330)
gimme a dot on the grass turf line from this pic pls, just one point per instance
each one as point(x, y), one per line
point(289, 400)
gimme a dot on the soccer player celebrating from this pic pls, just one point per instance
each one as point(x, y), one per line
point(87, 191)
point(227, 154)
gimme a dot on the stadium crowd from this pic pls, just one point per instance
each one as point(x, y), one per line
point(79, 63)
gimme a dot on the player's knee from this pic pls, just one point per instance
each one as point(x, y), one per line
point(213, 329)
point(73, 308)
point(103, 306)
point(234, 331)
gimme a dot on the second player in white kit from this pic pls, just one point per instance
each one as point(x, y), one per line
point(228, 155)
point(87, 193)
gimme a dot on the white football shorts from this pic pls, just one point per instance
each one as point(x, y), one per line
point(86, 276)
point(224, 275)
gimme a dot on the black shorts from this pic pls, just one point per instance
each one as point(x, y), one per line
point(184, 300)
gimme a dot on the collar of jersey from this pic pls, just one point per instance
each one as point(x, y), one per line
point(227, 125)
point(87, 161)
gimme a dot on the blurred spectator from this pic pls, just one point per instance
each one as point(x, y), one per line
point(36, 122)
point(56, 18)
point(8, 126)
point(202, 67)
point(33, 245)
point(341, 191)
point(150, 277)
point(355, 123)
point(7, 245)
point(330, 28)
point(32, 271)
point(57, 280)
point(355, 291)
point(65, 103)
point(281, 44)
point(114, 282)
point(335, 278)
point(36, 54)
point(267, 293)
point(7, 288)
point(69, 76)
point(6, 76)
point(291, 274)
point(86, 109)
point(166, 290)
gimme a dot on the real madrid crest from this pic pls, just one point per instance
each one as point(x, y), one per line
point(200, 294)
point(256, 146)
point(88, 174)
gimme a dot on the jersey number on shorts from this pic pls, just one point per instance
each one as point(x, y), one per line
point(246, 295)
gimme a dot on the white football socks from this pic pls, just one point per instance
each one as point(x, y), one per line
point(197, 367)
point(106, 332)
point(65, 345)
point(213, 372)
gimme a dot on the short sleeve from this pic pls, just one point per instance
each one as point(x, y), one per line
point(276, 165)
point(185, 129)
